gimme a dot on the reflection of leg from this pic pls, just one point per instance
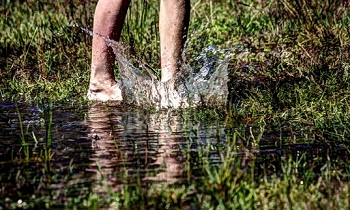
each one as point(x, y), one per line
point(173, 23)
point(171, 168)
point(108, 22)
point(105, 158)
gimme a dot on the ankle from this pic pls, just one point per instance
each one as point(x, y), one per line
point(102, 74)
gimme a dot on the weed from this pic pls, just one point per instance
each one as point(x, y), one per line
point(289, 74)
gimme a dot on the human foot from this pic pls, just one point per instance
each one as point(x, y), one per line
point(170, 97)
point(103, 92)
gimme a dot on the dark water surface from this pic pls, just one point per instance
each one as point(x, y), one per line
point(55, 154)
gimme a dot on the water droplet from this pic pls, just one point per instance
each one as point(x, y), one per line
point(206, 86)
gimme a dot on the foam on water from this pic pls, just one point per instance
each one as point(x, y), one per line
point(204, 87)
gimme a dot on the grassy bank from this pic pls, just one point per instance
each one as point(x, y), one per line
point(289, 70)
point(283, 57)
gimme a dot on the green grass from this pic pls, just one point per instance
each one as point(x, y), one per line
point(235, 183)
point(42, 56)
point(290, 71)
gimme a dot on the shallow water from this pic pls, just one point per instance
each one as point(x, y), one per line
point(99, 148)
point(90, 146)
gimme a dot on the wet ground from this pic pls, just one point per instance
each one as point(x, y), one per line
point(63, 152)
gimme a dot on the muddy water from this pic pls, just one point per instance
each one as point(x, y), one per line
point(63, 153)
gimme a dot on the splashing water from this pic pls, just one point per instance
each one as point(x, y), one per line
point(206, 87)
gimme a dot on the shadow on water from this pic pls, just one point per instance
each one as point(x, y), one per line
point(98, 149)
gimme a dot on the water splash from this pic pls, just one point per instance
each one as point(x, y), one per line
point(204, 87)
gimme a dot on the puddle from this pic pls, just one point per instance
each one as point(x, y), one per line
point(90, 147)
point(99, 148)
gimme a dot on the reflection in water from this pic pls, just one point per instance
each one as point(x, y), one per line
point(34, 170)
point(133, 146)
point(168, 128)
point(100, 148)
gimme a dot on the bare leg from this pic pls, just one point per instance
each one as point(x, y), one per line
point(108, 21)
point(173, 24)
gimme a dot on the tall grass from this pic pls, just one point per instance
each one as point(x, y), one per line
point(280, 45)
point(42, 56)
point(289, 73)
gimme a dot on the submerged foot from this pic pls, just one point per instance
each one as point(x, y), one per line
point(103, 92)
point(170, 97)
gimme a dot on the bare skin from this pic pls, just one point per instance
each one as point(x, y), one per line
point(108, 21)
point(173, 23)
